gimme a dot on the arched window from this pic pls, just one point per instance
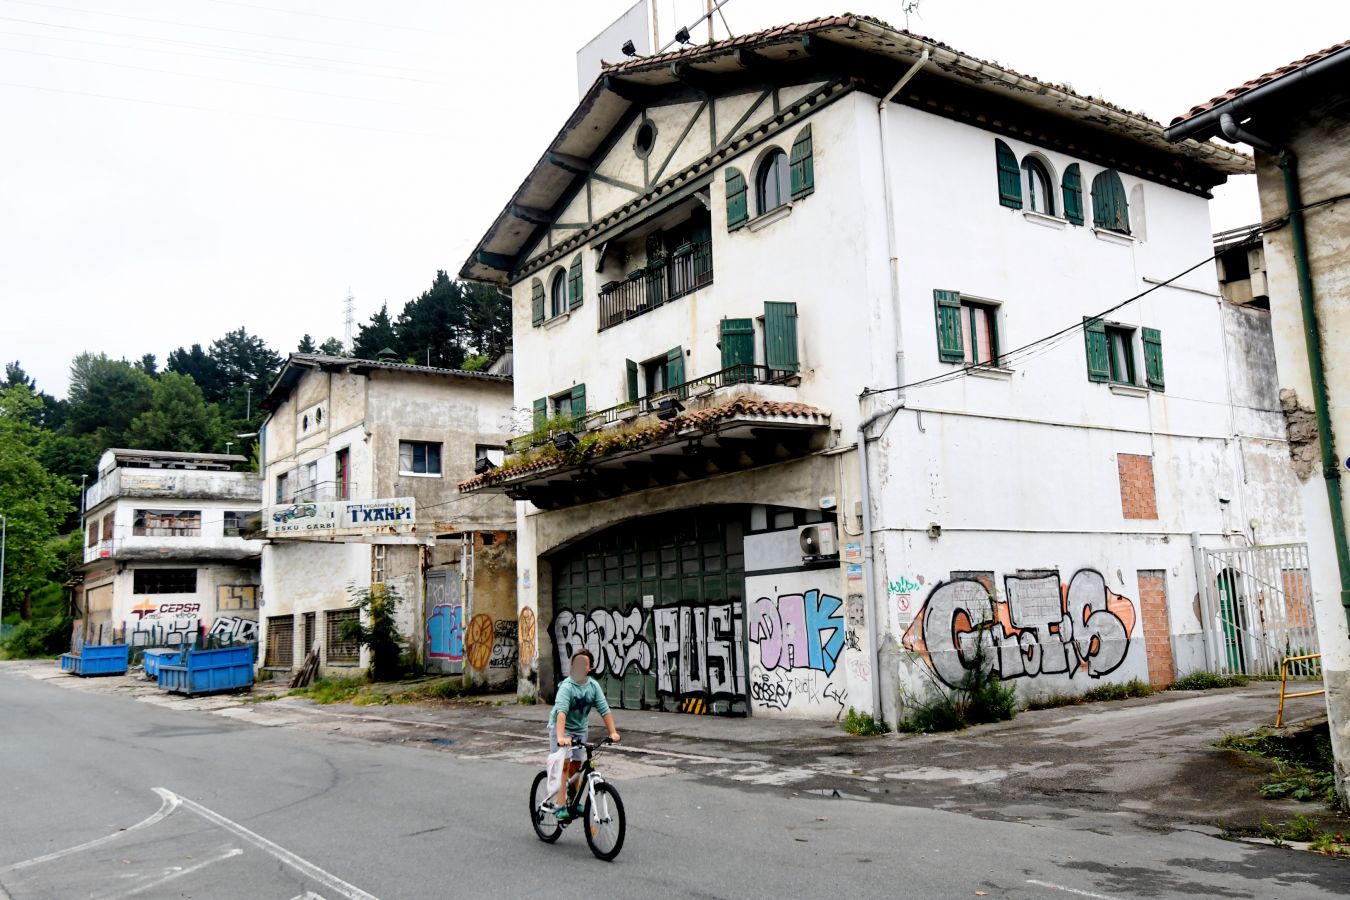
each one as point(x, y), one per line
point(558, 293)
point(772, 185)
point(1040, 195)
point(1110, 209)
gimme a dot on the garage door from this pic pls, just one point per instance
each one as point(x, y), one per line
point(659, 602)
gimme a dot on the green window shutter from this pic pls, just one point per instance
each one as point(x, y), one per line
point(780, 336)
point(632, 368)
point(801, 167)
point(1110, 210)
point(947, 306)
point(537, 301)
point(540, 412)
point(1153, 360)
point(737, 212)
point(675, 367)
point(1098, 352)
point(736, 338)
point(1073, 194)
point(1009, 176)
point(579, 402)
point(574, 283)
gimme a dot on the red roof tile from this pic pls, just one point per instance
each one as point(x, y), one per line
point(1262, 80)
point(700, 418)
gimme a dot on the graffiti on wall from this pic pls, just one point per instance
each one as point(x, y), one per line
point(615, 639)
point(163, 631)
point(799, 631)
point(529, 645)
point(779, 689)
point(505, 645)
point(1041, 627)
point(478, 641)
point(445, 632)
point(234, 630)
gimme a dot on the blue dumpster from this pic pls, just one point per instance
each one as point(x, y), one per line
point(207, 671)
point(153, 659)
point(110, 659)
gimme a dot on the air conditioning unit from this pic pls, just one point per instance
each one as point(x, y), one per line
point(817, 540)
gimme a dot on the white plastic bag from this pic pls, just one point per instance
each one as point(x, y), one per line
point(555, 769)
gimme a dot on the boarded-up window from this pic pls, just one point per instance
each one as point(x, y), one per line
point(280, 642)
point(341, 652)
point(167, 523)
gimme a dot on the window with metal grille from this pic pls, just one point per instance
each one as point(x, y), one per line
point(234, 522)
point(167, 523)
point(309, 632)
point(340, 652)
point(164, 581)
point(280, 642)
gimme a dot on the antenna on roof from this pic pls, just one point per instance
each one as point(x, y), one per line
point(909, 7)
point(349, 313)
point(682, 36)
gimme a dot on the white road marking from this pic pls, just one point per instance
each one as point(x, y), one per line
point(179, 872)
point(1067, 890)
point(307, 895)
point(169, 802)
point(303, 866)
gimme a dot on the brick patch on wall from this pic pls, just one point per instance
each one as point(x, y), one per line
point(1157, 626)
point(1137, 497)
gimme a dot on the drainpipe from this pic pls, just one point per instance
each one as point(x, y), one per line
point(872, 577)
point(1312, 334)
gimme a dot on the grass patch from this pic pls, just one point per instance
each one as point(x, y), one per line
point(527, 700)
point(1304, 766)
point(1207, 681)
point(862, 724)
point(1307, 830)
point(330, 690)
point(1132, 688)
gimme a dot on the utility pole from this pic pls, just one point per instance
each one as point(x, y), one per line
point(248, 404)
point(4, 528)
point(349, 319)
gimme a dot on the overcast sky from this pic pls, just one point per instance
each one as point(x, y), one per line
point(173, 169)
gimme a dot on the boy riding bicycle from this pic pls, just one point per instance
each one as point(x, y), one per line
point(569, 720)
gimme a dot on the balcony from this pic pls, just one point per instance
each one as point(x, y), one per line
point(696, 388)
point(185, 484)
point(688, 268)
point(321, 492)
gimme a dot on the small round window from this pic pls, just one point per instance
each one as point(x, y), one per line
point(645, 139)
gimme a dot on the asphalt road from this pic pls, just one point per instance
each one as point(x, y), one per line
point(105, 796)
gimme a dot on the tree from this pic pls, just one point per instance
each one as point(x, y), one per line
point(332, 347)
point(488, 330)
point(198, 365)
point(307, 345)
point(33, 500)
point(431, 328)
point(105, 396)
point(148, 365)
point(179, 419)
point(244, 361)
point(375, 629)
point(376, 336)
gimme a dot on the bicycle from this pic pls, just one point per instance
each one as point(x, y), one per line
point(589, 797)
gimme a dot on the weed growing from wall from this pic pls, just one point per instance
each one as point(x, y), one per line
point(375, 630)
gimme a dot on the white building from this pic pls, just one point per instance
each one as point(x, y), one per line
point(360, 462)
point(165, 559)
point(737, 263)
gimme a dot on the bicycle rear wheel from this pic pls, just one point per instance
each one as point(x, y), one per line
point(605, 823)
point(545, 823)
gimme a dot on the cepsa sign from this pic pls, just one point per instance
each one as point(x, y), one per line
point(342, 517)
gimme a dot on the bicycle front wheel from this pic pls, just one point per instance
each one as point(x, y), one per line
point(544, 821)
point(605, 823)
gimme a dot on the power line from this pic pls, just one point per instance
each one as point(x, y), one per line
point(229, 48)
point(297, 12)
point(1043, 345)
point(262, 34)
point(217, 110)
point(258, 84)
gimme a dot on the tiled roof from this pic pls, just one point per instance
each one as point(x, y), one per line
point(1260, 80)
point(741, 407)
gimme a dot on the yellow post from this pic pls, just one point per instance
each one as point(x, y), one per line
point(1284, 674)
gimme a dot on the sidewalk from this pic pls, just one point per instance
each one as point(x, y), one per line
point(1142, 764)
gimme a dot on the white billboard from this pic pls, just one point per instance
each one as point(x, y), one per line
point(342, 517)
point(634, 25)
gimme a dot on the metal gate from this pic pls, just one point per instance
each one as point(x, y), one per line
point(445, 621)
point(660, 602)
point(1259, 610)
